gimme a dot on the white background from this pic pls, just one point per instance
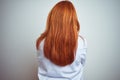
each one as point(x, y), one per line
point(22, 21)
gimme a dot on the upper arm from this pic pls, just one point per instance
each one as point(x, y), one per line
point(82, 50)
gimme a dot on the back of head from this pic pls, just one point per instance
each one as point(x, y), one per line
point(61, 34)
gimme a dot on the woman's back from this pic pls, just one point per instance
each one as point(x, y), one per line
point(49, 71)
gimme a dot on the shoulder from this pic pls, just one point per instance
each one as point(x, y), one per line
point(82, 42)
point(40, 50)
point(41, 45)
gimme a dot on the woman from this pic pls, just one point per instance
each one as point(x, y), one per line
point(61, 50)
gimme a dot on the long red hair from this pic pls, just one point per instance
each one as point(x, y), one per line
point(61, 34)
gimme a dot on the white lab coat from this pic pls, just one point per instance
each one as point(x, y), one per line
point(49, 71)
